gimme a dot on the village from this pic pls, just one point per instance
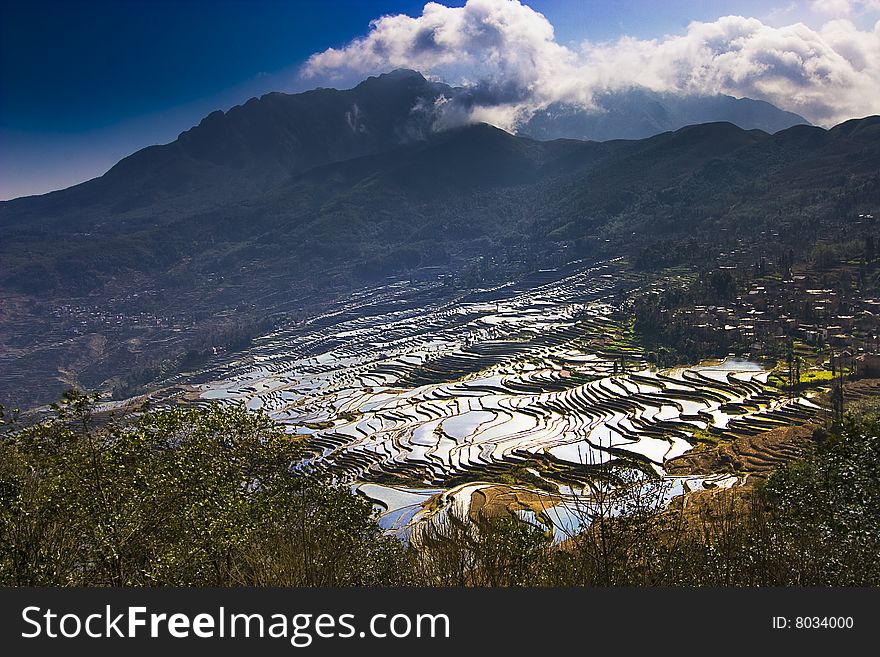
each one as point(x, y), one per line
point(817, 316)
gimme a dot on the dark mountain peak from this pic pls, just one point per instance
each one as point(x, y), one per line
point(721, 136)
point(478, 132)
point(455, 160)
point(714, 129)
point(214, 117)
point(291, 133)
point(857, 128)
point(801, 136)
point(690, 146)
point(395, 77)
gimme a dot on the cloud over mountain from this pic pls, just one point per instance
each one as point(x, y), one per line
point(507, 55)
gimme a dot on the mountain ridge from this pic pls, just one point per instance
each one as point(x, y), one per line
point(254, 145)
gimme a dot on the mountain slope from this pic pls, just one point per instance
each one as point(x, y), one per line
point(493, 182)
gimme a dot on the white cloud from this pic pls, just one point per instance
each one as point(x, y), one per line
point(844, 7)
point(508, 53)
point(835, 7)
point(827, 75)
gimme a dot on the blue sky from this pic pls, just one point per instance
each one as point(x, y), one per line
point(82, 84)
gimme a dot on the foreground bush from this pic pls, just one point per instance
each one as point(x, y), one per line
point(176, 497)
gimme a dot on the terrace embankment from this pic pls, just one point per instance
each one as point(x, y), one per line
point(854, 391)
point(505, 501)
point(759, 454)
point(754, 455)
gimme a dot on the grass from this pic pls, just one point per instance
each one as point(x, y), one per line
point(323, 424)
point(705, 437)
point(815, 376)
point(779, 377)
point(521, 476)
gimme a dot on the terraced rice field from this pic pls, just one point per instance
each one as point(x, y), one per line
point(404, 398)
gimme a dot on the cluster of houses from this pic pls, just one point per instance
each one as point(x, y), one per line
point(828, 313)
point(79, 319)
